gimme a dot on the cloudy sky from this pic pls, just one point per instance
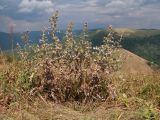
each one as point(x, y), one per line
point(34, 14)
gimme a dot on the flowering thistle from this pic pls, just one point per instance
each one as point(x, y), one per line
point(18, 46)
point(69, 36)
point(43, 39)
point(73, 72)
point(25, 37)
point(84, 39)
point(85, 31)
point(54, 22)
point(109, 51)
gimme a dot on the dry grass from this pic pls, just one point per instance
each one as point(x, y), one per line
point(132, 103)
point(134, 64)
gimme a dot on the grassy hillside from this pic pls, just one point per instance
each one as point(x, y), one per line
point(145, 44)
point(133, 64)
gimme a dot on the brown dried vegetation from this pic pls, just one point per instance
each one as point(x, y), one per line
point(72, 71)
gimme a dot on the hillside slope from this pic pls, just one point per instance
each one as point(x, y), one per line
point(133, 64)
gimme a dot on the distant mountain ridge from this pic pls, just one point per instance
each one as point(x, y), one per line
point(35, 36)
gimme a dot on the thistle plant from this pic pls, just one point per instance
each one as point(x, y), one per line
point(43, 47)
point(56, 42)
point(84, 42)
point(54, 22)
point(72, 71)
point(2, 61)
point(25, 37)
point(44, 38)
point(23, 53)
point(69, 36)
point(108, 54)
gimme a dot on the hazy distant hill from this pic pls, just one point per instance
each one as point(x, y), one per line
point(5, 41)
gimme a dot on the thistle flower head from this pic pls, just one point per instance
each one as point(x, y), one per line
point(54, 22)
point(69, 36)
point(43, 39)
point(18, 46)
point(25, 37)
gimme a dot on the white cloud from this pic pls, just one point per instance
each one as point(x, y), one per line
point(105, 11)
point(2, 7)
point(39, 5)
point(92, 3)
point(116, 3)
point(142, 13)
point(20, 25)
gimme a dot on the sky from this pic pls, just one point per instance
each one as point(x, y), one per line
point(33, 15)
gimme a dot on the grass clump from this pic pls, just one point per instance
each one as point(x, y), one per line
point(148, 112)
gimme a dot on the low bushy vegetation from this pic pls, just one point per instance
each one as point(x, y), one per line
point(72, 71)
